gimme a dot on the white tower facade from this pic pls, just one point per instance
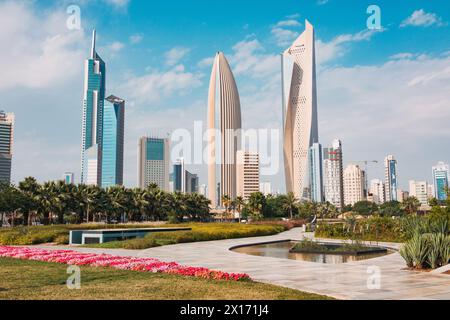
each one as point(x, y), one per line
point(299, 110)
point(354, 183)
point(334, 174)
point(224, 126)
point(247, 173)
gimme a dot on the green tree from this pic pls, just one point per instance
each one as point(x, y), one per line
point(391, 209)
point(239, 204)
point(290, 203)
point(256, 204)
point(29, 187)
point(411, 205)
point(365, 208)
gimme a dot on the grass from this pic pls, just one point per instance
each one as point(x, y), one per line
point(200, 232)
point(33, 280)
point(28, 235)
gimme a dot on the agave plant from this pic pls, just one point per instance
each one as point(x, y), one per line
point(417, 250)
point(407, 256)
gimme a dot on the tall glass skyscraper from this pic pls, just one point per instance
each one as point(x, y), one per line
point(179, 176)
point(154, 162)
point(6, 143)
point(391, 179)
point(441, 177)
point(316, 172)
point(93, 110)
point(113, 142)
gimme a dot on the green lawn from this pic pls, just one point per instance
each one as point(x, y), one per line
point(32, 280)
point(200, 232)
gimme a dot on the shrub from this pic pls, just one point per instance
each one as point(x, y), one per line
point(431, 250)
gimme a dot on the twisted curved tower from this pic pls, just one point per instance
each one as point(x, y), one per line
point(299, 110)
point(224, 125)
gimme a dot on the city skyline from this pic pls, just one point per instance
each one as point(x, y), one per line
point(352, 51)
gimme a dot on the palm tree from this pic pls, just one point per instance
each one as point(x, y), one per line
point(226, 201)
point(290, 202)
point(239, 205)
point(256, 204)
point(29, 188)
point(411, 205)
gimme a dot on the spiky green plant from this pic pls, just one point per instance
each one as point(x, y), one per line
point(418, 248)
point(407, 256)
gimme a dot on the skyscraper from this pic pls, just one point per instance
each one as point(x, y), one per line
point(376, 189)
point(153, 162)
point(334, 174)
point(390, 178)
point(441, 178)
point(191, 182)
point(183, 180)
point(354, 184)
point(419, 189)
point(92, 129)
point(6, 144)
point(316, 172)
point(265, 188)
point(113, 142)
point(224, 125)
point(69, 178)
point(299, 110)
point(179, 176)
point(247, 173)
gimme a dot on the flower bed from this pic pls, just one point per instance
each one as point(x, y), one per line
point(117, 262)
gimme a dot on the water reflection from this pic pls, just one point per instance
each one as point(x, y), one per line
point(281, 250)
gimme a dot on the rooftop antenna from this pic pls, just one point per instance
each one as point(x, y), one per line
point(93, 44)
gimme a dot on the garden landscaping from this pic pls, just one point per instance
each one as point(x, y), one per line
point(426, 238)
point(59, 234)
point(35, 280)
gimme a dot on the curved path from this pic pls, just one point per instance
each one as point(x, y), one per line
point(344, 281)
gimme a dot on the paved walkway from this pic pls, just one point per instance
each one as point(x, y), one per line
point(344, 281)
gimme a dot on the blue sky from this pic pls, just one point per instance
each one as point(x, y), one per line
point(382, 93)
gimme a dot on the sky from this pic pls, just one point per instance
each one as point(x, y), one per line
point(380, 92)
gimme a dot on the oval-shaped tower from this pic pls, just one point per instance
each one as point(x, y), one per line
point(224, 126)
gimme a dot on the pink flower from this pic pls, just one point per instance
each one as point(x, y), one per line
point(117, 262)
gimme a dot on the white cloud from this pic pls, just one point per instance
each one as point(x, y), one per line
point(175, 55)
point(249, 59)
point(322, 2)
point(206, 62)
point(117, 3)
point(282, 32)
point(136, 38)
point(402, 56)
point(422, 18)
point(116, 46)
point(288, 23)
point(157, 85)
point(328, 51)
point(399, 107)
point(38, 47)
